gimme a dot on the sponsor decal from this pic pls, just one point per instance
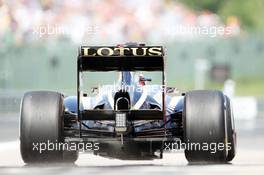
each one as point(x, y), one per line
point(121, 51)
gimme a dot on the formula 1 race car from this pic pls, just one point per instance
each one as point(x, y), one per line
point(131, 120)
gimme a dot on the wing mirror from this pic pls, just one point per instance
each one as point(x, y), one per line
point(94, 90)
point(145, 79)
point(172, 90)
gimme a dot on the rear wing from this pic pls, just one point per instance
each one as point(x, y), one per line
point(109, 58)
point(128, 58)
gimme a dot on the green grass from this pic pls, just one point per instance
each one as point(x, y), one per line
point(244, 87)
point(253, 87)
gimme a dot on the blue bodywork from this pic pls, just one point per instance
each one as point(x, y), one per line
point(141, 96)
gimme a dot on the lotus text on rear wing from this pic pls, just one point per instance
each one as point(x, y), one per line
point(121, 51)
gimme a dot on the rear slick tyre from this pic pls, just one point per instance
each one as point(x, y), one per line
point(41, 122)
point(204, 126)
point(231, 133)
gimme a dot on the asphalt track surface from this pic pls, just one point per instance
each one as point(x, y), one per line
point(249, 158)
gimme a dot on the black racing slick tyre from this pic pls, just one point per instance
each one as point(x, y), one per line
point(41, 128)
point(204, 127)
point(230, 129)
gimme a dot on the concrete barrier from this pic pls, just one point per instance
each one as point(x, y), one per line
point(245, 107)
